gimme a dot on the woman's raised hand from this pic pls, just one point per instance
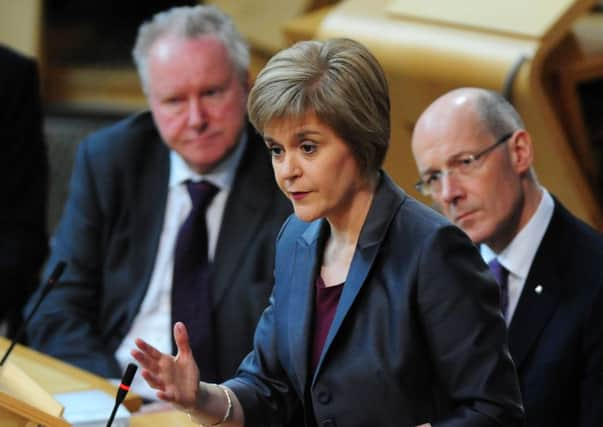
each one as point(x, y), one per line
point(176, 378)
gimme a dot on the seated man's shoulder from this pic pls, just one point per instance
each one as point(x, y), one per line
point(578, 246)
point(567, 225)
point(133, 131)
point(421, 223)
point(127, 130)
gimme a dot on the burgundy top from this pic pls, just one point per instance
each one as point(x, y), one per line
point(325, 305)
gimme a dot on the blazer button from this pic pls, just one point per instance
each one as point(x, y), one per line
point(324, 397)
point(328, 423)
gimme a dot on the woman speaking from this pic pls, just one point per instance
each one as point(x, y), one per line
point(382, 312)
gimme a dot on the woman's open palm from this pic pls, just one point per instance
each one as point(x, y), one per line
point(176, 378)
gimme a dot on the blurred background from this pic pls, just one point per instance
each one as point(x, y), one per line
point(546, 56)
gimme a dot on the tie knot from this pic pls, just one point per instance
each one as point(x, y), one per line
point(499, 272)
point(201, 193)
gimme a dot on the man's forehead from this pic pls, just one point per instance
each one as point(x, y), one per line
point(169, 45)
point(435, 148)
point(161, 50)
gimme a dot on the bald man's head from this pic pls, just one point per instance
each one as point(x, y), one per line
point(474, 159)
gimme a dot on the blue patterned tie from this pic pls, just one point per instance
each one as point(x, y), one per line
point(501, 275)
point(191, 293)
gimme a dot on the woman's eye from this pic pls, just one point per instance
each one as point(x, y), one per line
point(275, 151)
point(308, 148)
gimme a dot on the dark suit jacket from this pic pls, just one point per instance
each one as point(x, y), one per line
point(24, 182)
point(109, 235)
point(417, 336)
point(556, 336)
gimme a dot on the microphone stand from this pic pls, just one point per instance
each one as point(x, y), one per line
point(56, 274)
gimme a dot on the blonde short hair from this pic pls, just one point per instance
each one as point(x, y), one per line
point(341, 82)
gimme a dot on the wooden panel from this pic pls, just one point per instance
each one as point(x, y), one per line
point(93, 89)
point(15, 383)
point(260, 21)
point(514, 17)
point(20, 25)
point(424, 59)
point(56, 376)
point(160, 419)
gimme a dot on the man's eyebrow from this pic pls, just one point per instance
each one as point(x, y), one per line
point(449, 161)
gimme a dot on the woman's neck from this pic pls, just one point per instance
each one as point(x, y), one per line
point(344, 234)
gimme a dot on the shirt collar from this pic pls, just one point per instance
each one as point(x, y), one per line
point(517, 257)
point(221, 176)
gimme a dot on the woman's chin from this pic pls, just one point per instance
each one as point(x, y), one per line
point(306, 216)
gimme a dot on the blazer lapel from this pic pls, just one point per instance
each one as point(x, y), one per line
point(245, 210)
point(306, 263)
point(240, 223)
point(386, 202)
point(540, 296)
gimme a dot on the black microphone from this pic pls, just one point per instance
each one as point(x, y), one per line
point(123, 389)
point(54, 277)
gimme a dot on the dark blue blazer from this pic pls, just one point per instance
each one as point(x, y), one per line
point(417, 336)
point(23, 183)
point(109, 234)
point(556, 335)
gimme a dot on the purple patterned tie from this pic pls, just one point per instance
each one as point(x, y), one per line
point(191, 294)
point(501, 275)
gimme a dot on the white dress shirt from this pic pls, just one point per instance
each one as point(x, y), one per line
point(153, 321)
point(517, 257)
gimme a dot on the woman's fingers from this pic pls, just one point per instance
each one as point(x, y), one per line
point(165, 396)
point(147, 348)
point(153, 380)
point(147, 356)
point(145, 361)
point(174, 378)
point(181, 340)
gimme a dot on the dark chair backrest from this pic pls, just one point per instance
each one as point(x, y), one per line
point(63, 134)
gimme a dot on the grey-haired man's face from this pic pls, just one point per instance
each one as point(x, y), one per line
point(197, 98)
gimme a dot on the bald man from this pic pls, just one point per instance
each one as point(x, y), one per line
point(475, 162)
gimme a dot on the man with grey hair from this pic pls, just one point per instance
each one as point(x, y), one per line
point(475, 162)
point(172, 213)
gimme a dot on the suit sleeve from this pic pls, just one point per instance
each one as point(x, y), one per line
point(466, 334)
point(66, 326)
point(262, 386)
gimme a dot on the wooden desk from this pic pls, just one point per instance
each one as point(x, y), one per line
point(161, 419)
point(57, 377)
